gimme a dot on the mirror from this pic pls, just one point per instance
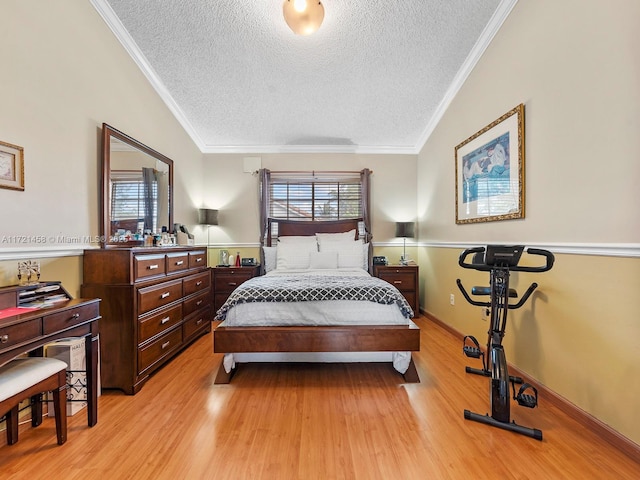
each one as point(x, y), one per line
point(137, 190)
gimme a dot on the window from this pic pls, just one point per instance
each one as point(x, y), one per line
point(128, 198)
point(315, 196)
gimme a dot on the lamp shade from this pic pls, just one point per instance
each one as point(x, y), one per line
point(207, 216)
point(405, 229)
point(303, 16)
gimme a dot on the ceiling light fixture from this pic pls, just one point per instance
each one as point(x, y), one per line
point(303, 16)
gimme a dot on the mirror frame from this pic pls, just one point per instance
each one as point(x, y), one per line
point(107, 133)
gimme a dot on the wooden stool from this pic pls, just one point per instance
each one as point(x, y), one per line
point(22, 378)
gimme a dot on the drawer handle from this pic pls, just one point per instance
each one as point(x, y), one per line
point(165, 345)
point(199, 322)
point(165, 320)
point(75, 316)
point(152, 267)
point(198, 303)
point(199, 259)
point(4, 338)
point(397, 282)
point(198, 283)
point(165, 295)
point(232, 284)
point(180, 262)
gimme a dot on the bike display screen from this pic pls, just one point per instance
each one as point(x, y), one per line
point(503, 255)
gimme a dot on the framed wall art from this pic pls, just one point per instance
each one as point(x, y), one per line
point(11, 166)
point(490, 171)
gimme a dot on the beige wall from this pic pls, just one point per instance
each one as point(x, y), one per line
point(64, 75)
point(577, 71)
point(235, 193)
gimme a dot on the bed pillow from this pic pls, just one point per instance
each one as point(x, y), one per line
point(298, 239)
point(270, 258)
point(350, 254)
point(349, 236)
point(323, 260)
point(294, 255)
point(365, 253)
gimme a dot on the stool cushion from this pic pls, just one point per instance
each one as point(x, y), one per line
point(22, 373)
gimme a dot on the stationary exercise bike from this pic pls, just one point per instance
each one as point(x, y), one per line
point(499, 261)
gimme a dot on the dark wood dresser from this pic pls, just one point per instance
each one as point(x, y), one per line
point(404, 278)
point(226, 279)
point(155, 302)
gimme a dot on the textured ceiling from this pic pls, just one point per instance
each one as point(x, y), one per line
point(375, 78)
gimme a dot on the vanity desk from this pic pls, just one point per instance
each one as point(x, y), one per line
point(28, 330)
point(155, 302)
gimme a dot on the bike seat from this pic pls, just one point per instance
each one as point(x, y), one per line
point(487, 291)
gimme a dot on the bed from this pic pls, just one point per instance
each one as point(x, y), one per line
point(266, 320)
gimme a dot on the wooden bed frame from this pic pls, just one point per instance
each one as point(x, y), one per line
point(359, 338)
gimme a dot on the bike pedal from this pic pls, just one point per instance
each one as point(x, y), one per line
point(528, 401)
point(472, 352)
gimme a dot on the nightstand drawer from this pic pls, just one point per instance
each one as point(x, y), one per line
point(228, 281)
point(401, 280)
point(404, 278)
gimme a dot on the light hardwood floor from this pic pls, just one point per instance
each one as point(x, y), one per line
point(311, 421)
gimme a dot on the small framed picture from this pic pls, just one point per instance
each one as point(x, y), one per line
point(490, 171)
point(11, 166)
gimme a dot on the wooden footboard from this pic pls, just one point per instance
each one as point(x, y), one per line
point(359, 338)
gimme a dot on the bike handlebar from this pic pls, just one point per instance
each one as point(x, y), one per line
point(514, 306)
point(549, 259)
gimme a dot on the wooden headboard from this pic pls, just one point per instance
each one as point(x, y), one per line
point(306, 227)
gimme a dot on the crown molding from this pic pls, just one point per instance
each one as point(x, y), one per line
point(496, 21)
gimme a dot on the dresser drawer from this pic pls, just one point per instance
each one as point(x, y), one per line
point(148, 266)
point(196, 283)
point(177, 262)
point(154, 324)
point(196, 322)
point(150, 354)
point(195, 303)
point(401, 280)
point(197, 259)
point(69, 318)
point(158, 295)
point(21, 332)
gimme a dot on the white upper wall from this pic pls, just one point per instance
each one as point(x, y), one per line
point(64, 75)
point(576, 68)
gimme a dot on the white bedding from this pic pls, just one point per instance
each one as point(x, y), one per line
point(315, 313)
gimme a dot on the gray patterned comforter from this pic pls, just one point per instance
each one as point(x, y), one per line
point(309, 287)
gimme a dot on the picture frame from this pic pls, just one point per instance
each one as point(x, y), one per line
point(490, 171)
point(11, 166)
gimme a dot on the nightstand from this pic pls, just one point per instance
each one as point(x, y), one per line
point(404, 278)
point(226, 279)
